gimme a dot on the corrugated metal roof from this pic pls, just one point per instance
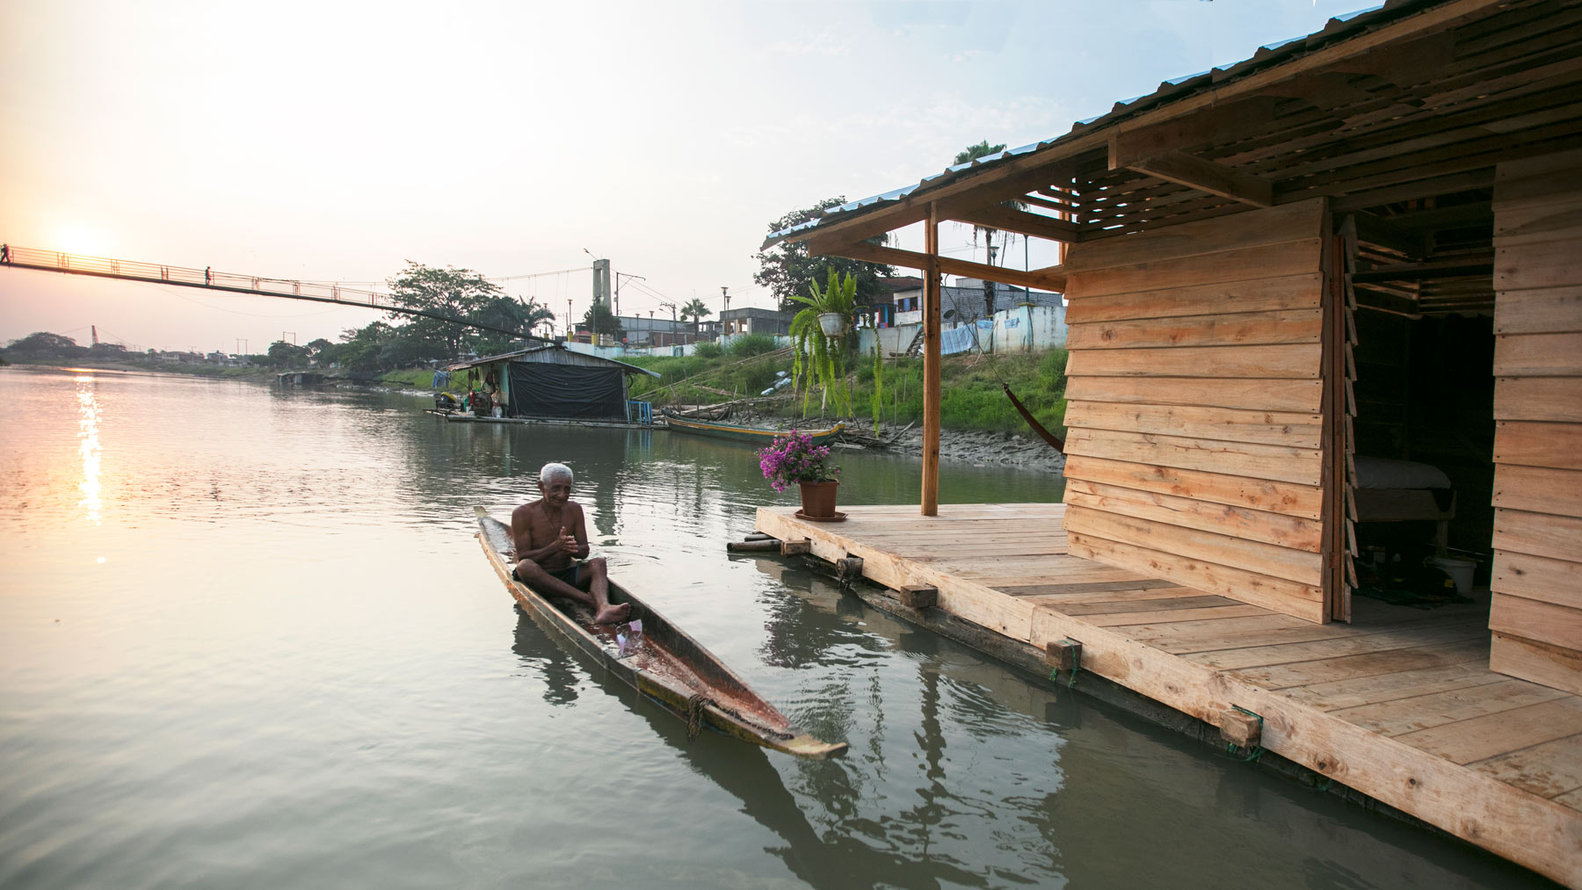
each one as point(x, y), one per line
point(562, 354)
point(1338, 28)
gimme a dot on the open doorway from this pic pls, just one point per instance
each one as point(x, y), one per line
point(1421, 474)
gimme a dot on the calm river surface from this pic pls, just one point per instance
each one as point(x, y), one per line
point(248, 640)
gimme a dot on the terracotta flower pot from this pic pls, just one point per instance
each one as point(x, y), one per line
point(818, 498)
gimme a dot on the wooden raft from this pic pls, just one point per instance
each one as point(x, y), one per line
point(1399, 705)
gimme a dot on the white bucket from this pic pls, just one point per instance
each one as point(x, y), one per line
point(1459, 570)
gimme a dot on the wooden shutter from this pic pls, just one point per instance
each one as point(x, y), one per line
point(1196, 446)
point(1536, 614)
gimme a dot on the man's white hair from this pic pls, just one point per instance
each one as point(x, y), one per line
point(552, 471)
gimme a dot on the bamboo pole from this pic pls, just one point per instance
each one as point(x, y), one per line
point(931, 363)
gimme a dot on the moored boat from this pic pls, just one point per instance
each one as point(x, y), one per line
point(661, 661)
point(739, 433)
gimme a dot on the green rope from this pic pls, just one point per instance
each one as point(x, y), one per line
point(1076, 665)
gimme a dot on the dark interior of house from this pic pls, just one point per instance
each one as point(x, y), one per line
point(1423, 435)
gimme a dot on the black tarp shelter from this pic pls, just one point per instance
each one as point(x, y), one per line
point(553, 381)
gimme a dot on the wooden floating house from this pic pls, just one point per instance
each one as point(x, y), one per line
point(1323, 304)
point(551, 381)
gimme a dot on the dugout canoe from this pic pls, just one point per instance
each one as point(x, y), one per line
point(751, 434)
point(667, 666)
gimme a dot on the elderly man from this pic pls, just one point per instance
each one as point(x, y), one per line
point(550, 536)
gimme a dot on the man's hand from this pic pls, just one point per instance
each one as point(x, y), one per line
point(568, 544)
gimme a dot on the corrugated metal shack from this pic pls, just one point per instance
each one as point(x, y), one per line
point(1325, 306)
point(554, 382)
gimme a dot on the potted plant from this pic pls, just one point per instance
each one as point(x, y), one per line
point(793, 458)
point(820, 356)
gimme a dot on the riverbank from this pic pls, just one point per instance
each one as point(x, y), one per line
point(976, 447)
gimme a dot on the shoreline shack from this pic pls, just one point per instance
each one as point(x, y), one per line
point(1325, 334)
point(550, 383)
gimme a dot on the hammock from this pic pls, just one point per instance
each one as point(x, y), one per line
point(1054, 441)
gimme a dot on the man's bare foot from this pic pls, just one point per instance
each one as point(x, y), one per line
point(613, 614)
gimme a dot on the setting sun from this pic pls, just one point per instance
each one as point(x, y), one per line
point(80, 239)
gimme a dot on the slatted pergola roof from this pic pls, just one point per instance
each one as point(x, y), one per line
point(1397, 115)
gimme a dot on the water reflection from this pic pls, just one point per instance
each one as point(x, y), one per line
point(315, 630)
point(547, 659)
point(88, 446)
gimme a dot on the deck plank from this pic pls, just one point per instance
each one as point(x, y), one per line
point(1400, 705)
point(1506, 732)
point(1551, 769)
point(1396, 716)
point(1363, 641)
point(1351, 667)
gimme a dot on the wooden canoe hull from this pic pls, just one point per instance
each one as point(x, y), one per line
point(737, 433)
point(670, 667)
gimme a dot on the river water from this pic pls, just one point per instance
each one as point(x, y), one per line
point(248, 640)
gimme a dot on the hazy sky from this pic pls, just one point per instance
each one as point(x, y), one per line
point(334, 141)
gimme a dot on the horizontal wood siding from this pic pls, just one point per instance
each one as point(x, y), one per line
point(1536, 614)
point(1195, 450)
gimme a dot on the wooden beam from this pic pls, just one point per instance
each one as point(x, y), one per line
point(1374, 229)
point(919, 596)
point(1009, 219)
point(931, 365)
point(1407, 191)
point(1048, 278)
point(1205, 176)
point(1212, 126)
point(1243, 729)
point(1063, 655)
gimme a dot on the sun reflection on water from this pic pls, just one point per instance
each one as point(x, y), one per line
point(88, 446)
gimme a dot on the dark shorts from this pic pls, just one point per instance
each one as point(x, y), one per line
point(569, 574)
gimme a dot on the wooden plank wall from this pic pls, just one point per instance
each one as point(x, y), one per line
point(1196, 447)
point(1536, 614)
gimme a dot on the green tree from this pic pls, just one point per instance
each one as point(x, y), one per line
point(287, 355)
point(510, 314)
point(44, 344)
point(600, 320)
point(322, 352)
point(695, 310)
point(788, 271)
point(448, 293)
point(359, 350)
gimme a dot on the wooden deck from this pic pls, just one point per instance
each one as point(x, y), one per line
point(1400, 704)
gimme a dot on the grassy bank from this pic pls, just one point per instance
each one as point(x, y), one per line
point(421, 379)
point(972, 396)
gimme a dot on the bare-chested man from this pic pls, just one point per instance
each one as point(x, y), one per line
point(550, 535)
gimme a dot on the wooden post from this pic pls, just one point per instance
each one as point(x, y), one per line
point(931, 365)
point(796, 548)
point(919, 596)
point(848, 569)
point(753, 546)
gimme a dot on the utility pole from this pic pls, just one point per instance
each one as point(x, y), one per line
point(618, 277)
point(568, 319)
point(241, 345)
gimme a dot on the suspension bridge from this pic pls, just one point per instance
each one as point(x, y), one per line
point(226, 282)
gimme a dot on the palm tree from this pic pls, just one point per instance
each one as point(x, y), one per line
point(695, 310)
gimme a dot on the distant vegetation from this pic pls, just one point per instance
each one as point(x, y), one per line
point(972, 396)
